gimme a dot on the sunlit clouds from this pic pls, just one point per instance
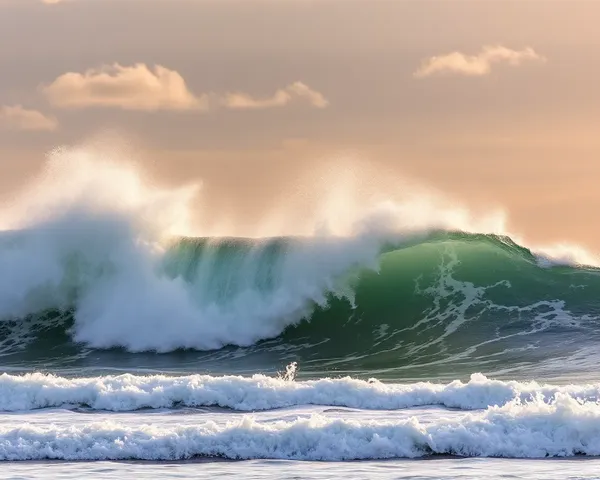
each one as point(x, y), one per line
point(18, 118)
point(281, 98)
point(139, 87)
point(458, 63)
point(136, 87)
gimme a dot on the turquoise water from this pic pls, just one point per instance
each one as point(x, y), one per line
point(444, 305)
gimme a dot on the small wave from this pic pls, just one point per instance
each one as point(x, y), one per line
point(562, 428)
point(130, 392)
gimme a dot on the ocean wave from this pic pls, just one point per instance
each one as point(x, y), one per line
point(127, 392)
point(562, 428)
point(446, 297)
point(93, 244)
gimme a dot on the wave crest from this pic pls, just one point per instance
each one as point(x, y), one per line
point(561, 428)
point(93, 240)
point(124, 393)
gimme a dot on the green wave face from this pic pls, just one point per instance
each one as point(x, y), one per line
point(455, 303)
point(447, 304)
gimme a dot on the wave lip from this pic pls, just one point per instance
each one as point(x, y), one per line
point(239, 292)
point(116, 257)
point(129, 393)
point(562, 428)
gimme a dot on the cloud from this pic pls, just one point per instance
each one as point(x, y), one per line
point(281, 98)
point(458, 63)
point(19, 118)
point(130, 88)
point(139, 87)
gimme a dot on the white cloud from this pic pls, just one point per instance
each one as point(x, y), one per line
point(281, 98)
point(18, 118)
point(458, 63)
point(139, 87)
point(130, 88)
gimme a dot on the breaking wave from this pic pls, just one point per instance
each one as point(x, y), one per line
point(561, 428)
point(125, 393)
point(93, 256)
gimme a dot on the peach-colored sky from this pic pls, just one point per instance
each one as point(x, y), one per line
point(494, 102)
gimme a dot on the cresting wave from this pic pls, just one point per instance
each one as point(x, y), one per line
point(94, 250)
point(125, 393)
point(537, 429)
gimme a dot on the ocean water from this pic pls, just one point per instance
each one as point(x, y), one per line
point(416, 344)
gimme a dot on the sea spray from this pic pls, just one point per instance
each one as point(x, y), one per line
point(93, 241)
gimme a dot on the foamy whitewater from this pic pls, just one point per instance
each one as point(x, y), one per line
point(399, 330)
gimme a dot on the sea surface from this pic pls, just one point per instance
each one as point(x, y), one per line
point(395, 351)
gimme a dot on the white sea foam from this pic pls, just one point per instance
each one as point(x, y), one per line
point(259, 392)
point(91, 235)
point(563, 427)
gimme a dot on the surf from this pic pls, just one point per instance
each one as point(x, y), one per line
point(96, 255)
point(130, 393)
point(563, 427)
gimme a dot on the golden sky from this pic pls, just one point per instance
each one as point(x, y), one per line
point(494, 102)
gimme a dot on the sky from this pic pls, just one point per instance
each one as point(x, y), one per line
point(495, 103)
